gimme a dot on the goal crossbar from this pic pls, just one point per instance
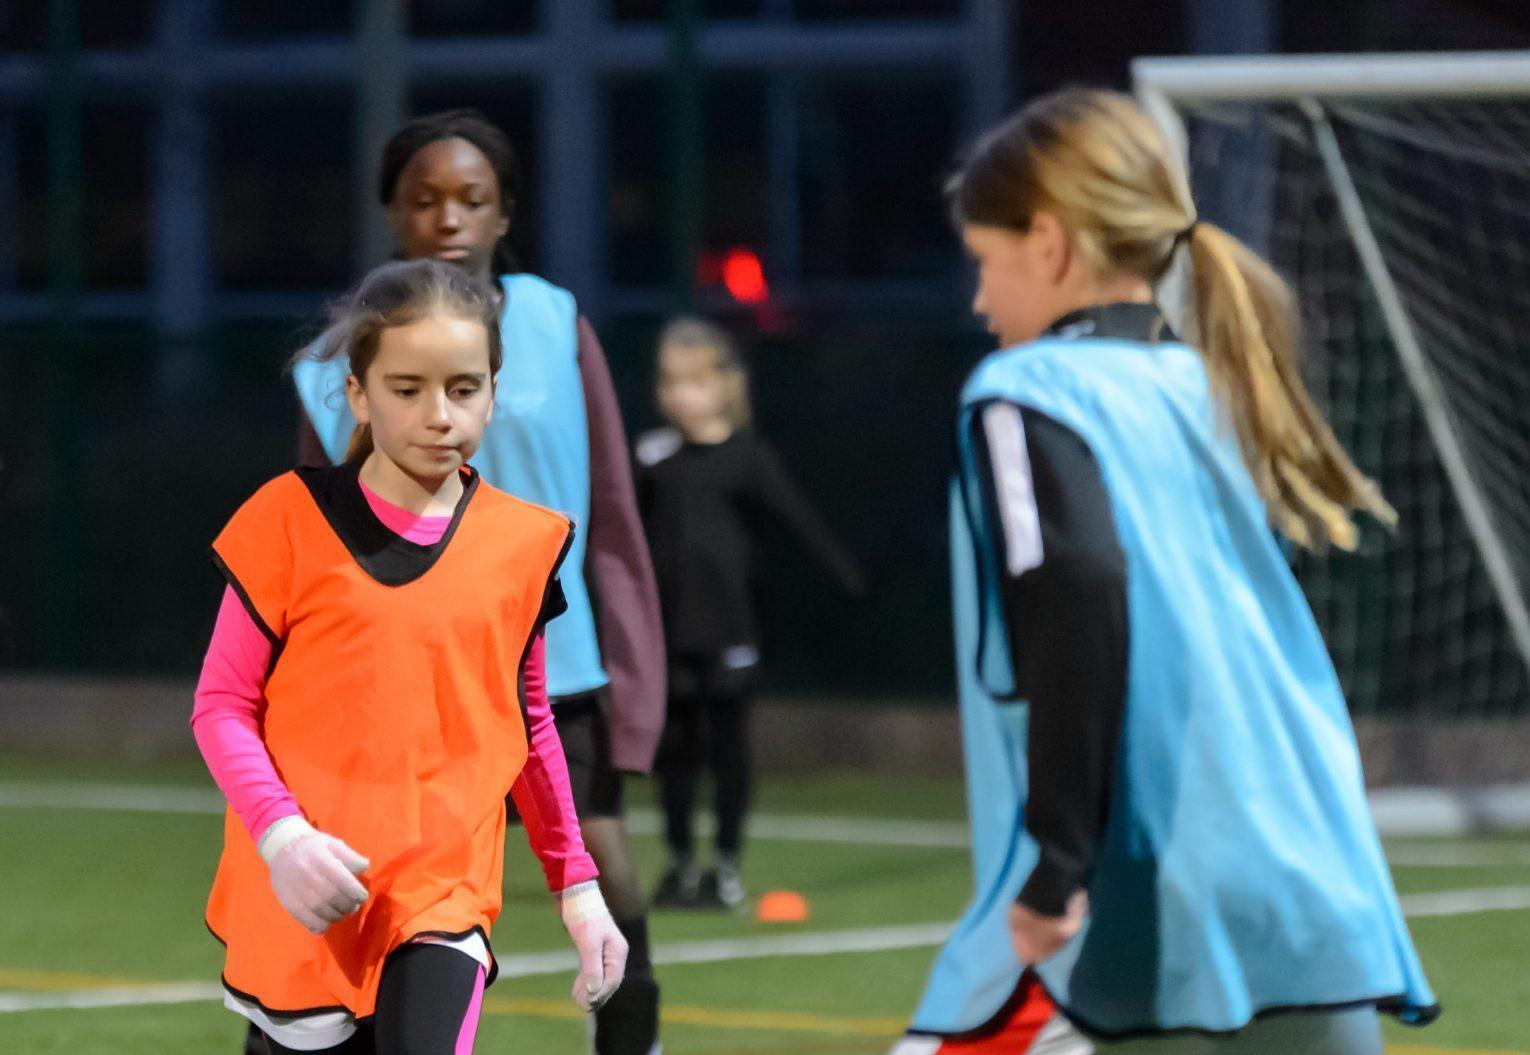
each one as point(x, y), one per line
point(1436, 75)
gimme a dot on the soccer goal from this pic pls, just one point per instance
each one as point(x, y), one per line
point(1393, 192)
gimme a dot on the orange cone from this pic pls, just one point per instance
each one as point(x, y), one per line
point(781, 906)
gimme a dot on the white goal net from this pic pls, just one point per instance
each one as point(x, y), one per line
point(1394, 194)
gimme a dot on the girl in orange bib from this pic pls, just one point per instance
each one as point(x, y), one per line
point(374, 690)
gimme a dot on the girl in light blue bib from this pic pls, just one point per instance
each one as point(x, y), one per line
point(1169, 822)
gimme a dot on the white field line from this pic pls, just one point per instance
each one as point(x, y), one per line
point(726, 950)
point(527, 965)
point(1481, 855)
point(850, 830)
point(115, 996)
point(1466, 902)
point(873, 939)
point(131, 798)
point(1399, 812)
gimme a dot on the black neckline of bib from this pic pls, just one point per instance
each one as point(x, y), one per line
point(382, 553)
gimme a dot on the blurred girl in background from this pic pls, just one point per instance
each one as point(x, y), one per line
point(707, 483)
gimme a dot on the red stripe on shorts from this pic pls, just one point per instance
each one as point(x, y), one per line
point(1027, 1015)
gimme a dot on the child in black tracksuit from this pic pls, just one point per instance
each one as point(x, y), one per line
point(704, 485)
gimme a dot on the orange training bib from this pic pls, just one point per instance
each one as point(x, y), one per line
point(392, 712)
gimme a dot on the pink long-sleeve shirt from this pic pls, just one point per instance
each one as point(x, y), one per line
point(231, 693)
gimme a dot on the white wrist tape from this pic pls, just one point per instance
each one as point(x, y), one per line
point(582, 901)
point(281, 832)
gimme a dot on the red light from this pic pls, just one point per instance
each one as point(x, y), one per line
point(744, 277)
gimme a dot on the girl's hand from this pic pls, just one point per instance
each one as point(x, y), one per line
point(1037, 937)
point(602, 949)
point(312, 874)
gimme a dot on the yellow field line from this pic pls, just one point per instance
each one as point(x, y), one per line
point(720, 1018)
point(770, 1021)
point(507, 1005)
point(787, 1022)
point(794, 1022)
point(50, 981)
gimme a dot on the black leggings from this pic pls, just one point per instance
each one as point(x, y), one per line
point(713, 729)
point(422, 1002)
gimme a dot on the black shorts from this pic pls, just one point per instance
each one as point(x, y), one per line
point(586, 737)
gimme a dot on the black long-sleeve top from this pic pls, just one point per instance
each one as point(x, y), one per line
point(1065, 596)
point(702, 504)
point(1064, 593)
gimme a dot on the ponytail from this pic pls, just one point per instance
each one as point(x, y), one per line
point(1245, 328)
point(359, 449)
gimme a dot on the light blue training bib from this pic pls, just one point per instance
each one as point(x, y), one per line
point(1240, 870)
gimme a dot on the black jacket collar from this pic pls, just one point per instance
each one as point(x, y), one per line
point(1124, 321)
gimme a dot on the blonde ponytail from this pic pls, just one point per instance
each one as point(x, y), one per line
point(1245, 328)
point(1094, 160)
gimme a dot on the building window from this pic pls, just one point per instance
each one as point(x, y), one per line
point(874, 153)
point(654, 10)
point(118, 150)
point(102, 24)
point(30, 217)
point(114, 199)
point(734, 179)
point(635, 138)
point(449, 18)
point(261, 18)
point(282, 192)
point(825, 10)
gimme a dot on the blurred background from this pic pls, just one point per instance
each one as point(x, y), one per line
point(184, 183)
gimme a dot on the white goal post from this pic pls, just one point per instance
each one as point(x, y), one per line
point(1306, 89)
